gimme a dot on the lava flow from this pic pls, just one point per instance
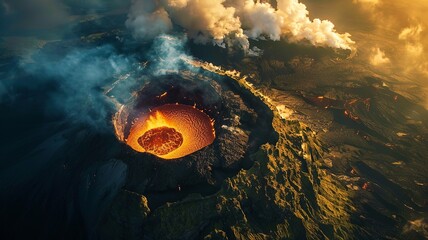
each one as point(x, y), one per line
point(171, 131)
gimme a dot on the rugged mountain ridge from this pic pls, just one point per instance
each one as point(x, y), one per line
point(285, 194)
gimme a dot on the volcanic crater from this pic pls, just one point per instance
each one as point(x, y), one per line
point(187, 132)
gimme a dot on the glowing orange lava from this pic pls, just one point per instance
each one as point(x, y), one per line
point(161, 140)
point(171, 131)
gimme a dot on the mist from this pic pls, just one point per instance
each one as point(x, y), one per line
point(66, 102)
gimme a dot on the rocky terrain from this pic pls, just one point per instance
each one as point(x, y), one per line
point(286, 193)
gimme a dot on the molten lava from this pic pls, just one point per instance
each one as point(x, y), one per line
point(161, 141)
point(171, 131)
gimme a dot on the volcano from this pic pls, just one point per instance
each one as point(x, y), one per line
point(109, 137)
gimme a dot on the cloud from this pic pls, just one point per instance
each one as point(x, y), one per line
point(90, 83)
point(410, 33)
point(399, 26)
point(368, 2)
point(207, 20)
point(167, 54)
point(318, 32)
point(414, 48)
point(378, 57)
point(147, 20)
point(412, 37)
point(80, 76)
point(233, 22)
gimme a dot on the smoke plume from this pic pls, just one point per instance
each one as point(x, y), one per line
point(233, 22)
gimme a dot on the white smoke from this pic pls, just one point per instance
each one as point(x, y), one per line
point(233, 22)
point(378, 57)
point(147, 20)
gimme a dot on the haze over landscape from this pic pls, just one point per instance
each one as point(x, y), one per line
point(220, 119)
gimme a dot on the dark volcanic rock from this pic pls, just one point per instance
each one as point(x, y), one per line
point(284, 194)
point(125, 217)
point(202, 172)
point(232, 139)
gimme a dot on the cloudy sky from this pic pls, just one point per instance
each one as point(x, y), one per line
point(391, 35)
